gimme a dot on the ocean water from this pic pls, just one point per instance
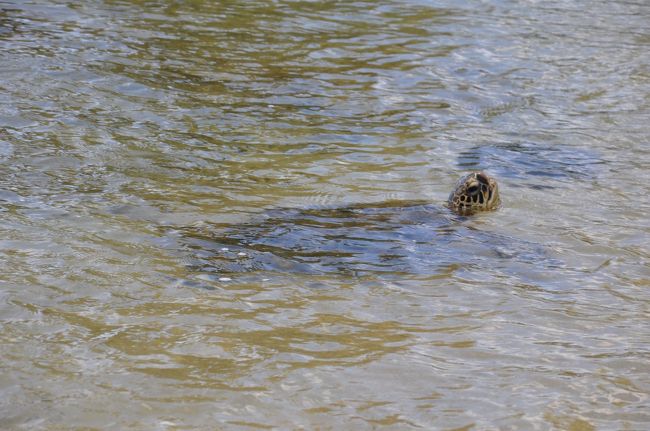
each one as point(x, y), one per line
point(230, 215)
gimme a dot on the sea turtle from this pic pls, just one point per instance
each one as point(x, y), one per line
point(389, 237)
point(474, 192)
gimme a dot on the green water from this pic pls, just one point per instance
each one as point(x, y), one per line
point(140, 139)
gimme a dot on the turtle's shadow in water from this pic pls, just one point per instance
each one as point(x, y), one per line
point(388, 239)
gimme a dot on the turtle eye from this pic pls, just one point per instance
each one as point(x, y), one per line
point(472, 190)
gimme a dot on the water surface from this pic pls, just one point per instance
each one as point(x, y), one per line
point(138, 140)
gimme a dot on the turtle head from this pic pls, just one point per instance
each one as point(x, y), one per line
point(474, 192)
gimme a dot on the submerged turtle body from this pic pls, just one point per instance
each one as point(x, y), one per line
point(390, 237)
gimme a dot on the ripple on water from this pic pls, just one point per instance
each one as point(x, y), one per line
point(529, 161)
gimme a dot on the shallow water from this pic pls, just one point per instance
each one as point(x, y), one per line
point(140, 139)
